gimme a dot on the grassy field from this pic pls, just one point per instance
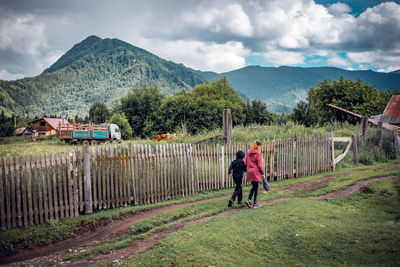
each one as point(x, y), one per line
point(361, 229)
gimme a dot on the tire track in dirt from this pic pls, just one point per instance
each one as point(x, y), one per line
point(98, 233)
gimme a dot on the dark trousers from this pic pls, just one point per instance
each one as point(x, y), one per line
point(238, 190)
point(254, 190)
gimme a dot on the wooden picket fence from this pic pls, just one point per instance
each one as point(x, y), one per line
point(36, 189)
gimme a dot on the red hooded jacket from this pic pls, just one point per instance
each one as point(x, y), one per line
point(254, 164)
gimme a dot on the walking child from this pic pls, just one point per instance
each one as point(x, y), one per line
point(254, 164)
point(236, 170)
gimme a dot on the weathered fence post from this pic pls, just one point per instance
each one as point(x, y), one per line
point(355, 153)
point(380, 135)
point(396, 141)
point(222, 167)
point(227, 125)
point(87, 180)
point(363, 130)
point(271, 161)
point(333, 153)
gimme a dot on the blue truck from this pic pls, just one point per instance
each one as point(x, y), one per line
point(88, 133)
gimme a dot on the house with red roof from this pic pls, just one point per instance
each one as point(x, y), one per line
point(48, 126)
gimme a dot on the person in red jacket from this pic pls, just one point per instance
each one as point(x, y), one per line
point(255, 171)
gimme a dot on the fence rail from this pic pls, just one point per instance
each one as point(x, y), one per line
point(36, 189)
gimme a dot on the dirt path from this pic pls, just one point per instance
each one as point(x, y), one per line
point(98, 233)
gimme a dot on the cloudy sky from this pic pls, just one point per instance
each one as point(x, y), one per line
point(216, 35)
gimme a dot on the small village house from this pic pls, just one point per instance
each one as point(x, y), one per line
point(48, 126)
point(24, 131)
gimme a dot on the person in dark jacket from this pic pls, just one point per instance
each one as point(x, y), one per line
point(254, 164)
point(236, 170)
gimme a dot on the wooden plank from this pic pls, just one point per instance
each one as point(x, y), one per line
point(75, 192)
point(187, 169)
point(140, 173)
point(40, 179)
point(181, 163)
point(127, 175)
point(18, 191)
point(94, 179)
point(112, 176)
point(70, 185)
point(121, 173)
point(102, 159)
point(29, 171)
point(44, 189)
point(49, 187)
point(152, 175)
point(116, 176)
point(8, 187)
point(99, 163)
point(132, 193)
point(78, 156)
point(146, 177)
point(13, 193)
point(165, 175)
point(157, 188)
point(65, 183)
point(54, 179)
point(108, 159)
point(2, 210)
point(60, 184)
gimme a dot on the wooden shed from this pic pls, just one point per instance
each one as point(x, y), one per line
point(24, 131)
point(48, 126)
point(391, 114)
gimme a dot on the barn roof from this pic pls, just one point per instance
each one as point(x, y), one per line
point(53, 122)
point(20, 130)
point(392, 111)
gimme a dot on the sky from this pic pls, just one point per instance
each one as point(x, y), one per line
point(207, 35)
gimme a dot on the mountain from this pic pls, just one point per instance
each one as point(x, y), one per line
point(396, 72)
point(107, 69)
point(93, 70)
point(281, 88)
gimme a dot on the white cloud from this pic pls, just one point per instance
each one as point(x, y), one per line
point(339, 61)
point(22, 34)
point(201, 55)
point(279, 57)
point(5, 75)
point(338, 9)
point(231, 19)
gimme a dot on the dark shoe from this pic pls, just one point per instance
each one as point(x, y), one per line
point(230, 203)
point(255, 205)
point(248, 203)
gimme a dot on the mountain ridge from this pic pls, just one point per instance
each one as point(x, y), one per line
point(93, 70)
point(105, 70)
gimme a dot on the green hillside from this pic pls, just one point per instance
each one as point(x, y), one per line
point(94, 70)
point(281, 88)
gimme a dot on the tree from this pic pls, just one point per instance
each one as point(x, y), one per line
point(6, 125)
point(302, 114)
point(260, 112)
point(123, 124)
point(98, 113)
point(358, 96)
point(257, 112)
point(141, 107)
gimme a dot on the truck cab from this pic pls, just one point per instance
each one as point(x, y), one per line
point(115, 133)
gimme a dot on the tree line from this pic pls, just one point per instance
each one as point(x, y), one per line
point(146, 112)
